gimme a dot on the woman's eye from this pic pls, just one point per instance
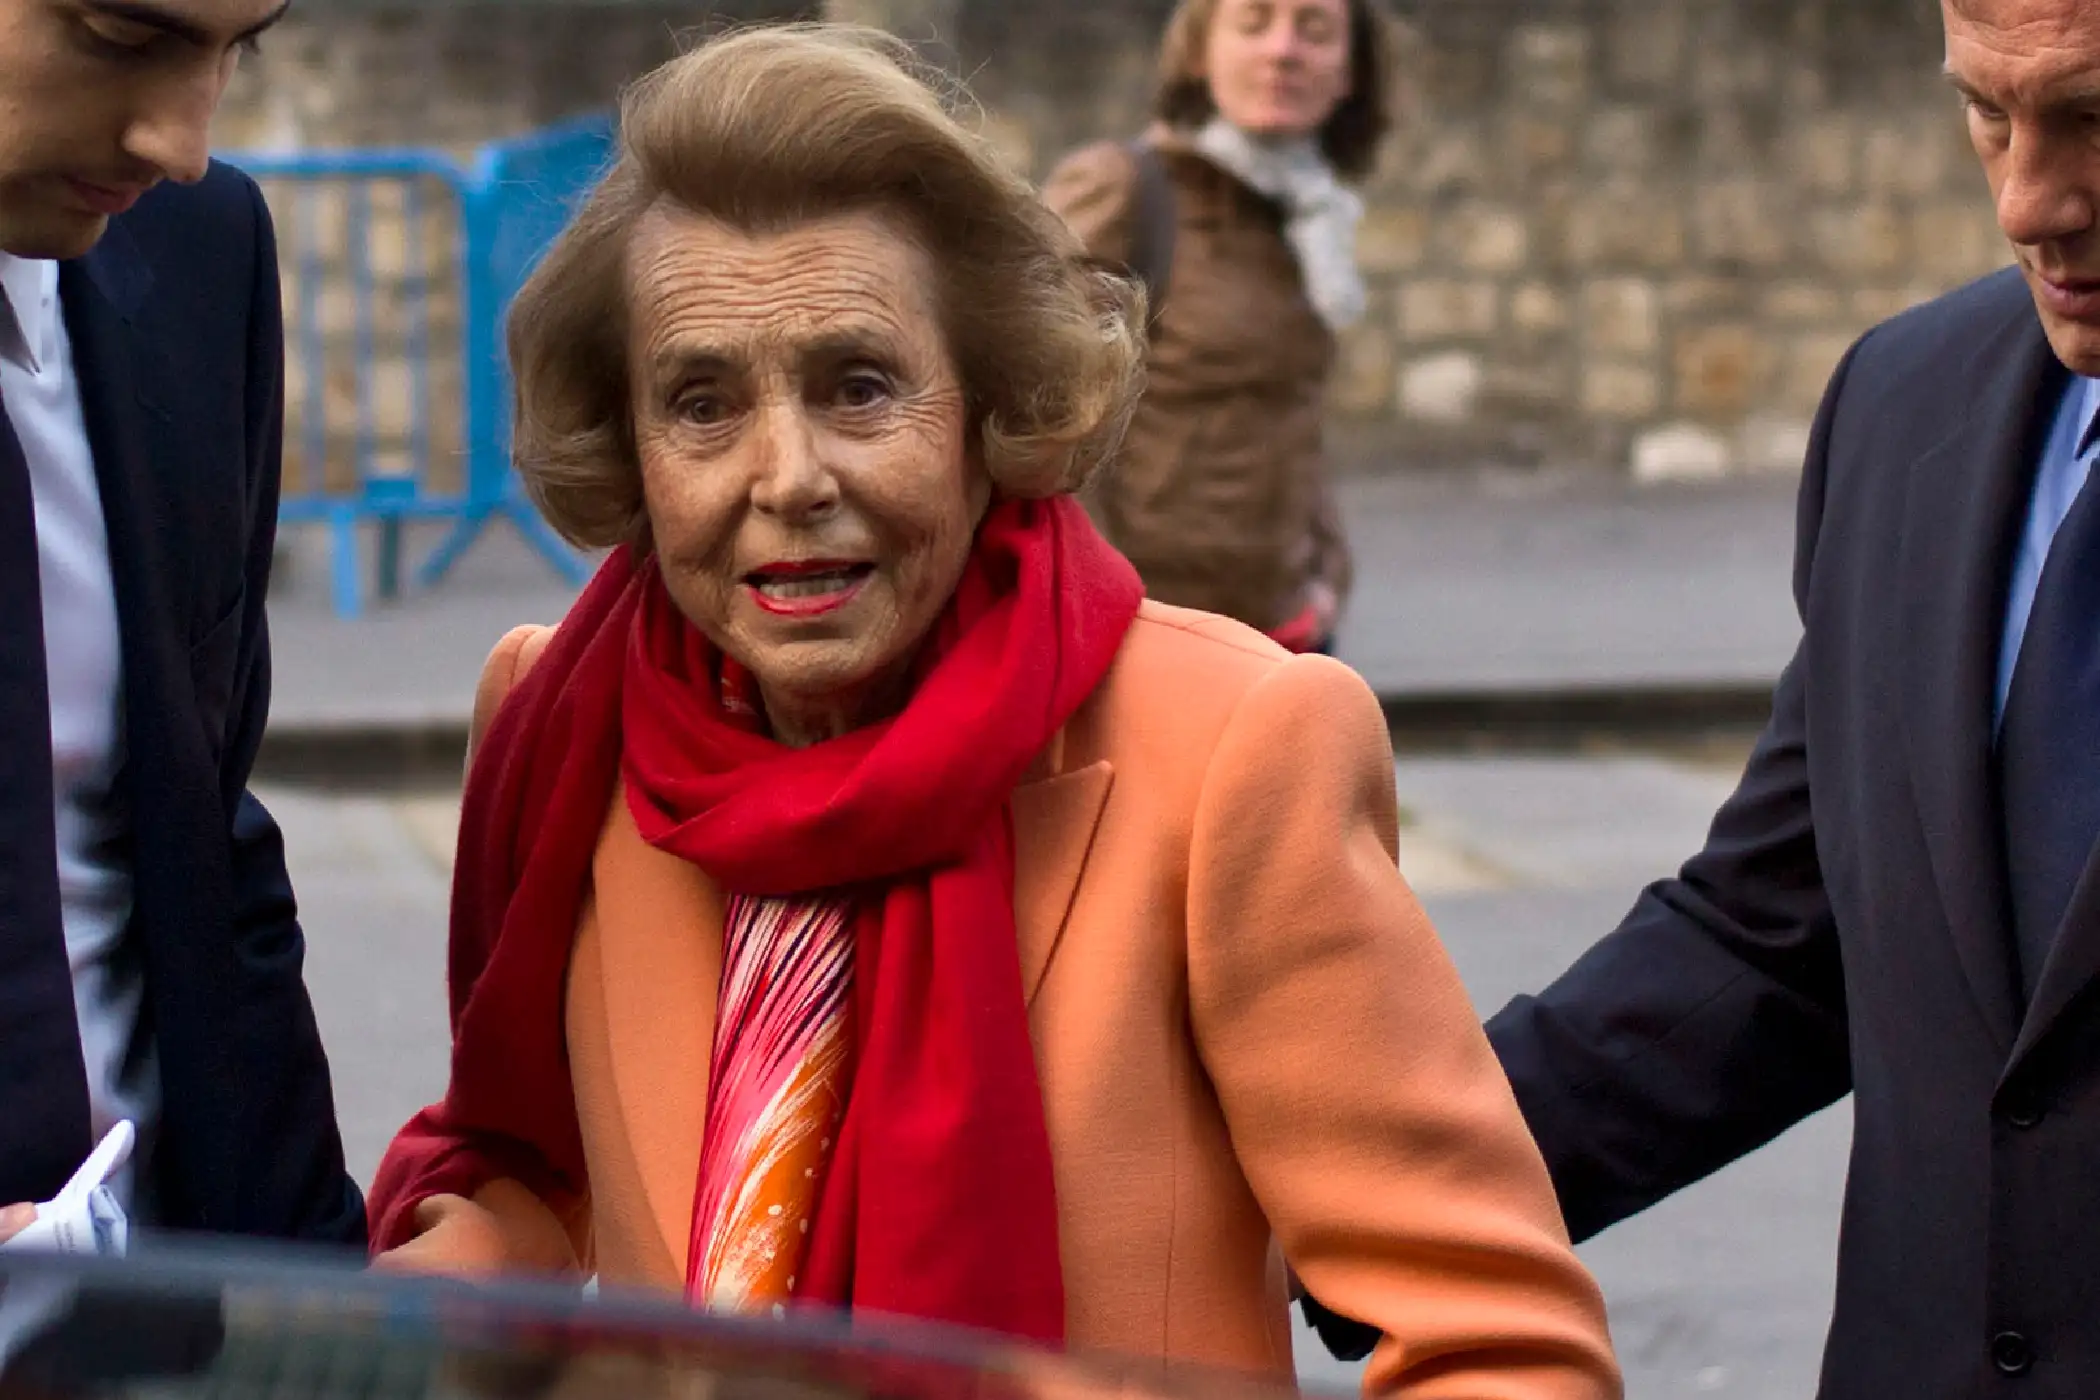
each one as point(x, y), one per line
point(862, 390)
point(1253, 19)
point(1318, 27)
point(702, 409)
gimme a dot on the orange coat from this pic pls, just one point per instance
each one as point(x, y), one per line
point(1252, 1047)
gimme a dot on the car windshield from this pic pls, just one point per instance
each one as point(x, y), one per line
point(245, 1323)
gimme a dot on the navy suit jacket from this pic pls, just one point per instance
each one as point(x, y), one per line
point(1846, 927)
point(178, 346)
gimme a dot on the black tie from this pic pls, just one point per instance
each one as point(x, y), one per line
point(44, 1127)
point(2049, 738)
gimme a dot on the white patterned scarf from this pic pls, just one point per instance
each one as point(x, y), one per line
point(1321, 213)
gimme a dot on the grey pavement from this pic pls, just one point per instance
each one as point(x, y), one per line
point(1468, 583)
point(1522, 862)
point(1508, 583)
point(373, 876)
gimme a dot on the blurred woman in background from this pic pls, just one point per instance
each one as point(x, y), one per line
point(1236, 212)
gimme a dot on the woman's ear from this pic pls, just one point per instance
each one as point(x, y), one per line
point(640, 536)
point(978, 480)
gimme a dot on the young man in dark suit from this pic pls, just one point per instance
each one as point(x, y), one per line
point(1901, 900)
point(150, 955)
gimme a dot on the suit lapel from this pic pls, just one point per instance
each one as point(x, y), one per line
point(1054, 821)
point(101, 294)
point(1966, 503)
point(104, 296)
point(2073, 964)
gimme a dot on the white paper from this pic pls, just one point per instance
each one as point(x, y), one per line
point(84, 1217)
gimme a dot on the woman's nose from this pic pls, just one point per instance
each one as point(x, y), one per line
point(790, 478)
point(1282, 43)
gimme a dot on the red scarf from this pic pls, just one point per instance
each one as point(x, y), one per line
point(939, 1202)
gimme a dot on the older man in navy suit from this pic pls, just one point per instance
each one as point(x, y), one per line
point(1902, 898)
point(150, 955)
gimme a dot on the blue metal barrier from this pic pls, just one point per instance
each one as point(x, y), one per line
point(505, 207)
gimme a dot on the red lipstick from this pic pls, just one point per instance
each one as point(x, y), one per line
point(807, 587)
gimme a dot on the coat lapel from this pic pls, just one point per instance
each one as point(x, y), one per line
point(659, 958)
point(1054, 825)
point(1966, 503)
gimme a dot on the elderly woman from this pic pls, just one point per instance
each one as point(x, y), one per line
point(1236, 209)
point(864, 898)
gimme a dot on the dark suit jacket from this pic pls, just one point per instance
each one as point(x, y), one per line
point(1846, 926)
point(178, 347)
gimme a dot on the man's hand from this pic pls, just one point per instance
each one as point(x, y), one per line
point(15, 1219)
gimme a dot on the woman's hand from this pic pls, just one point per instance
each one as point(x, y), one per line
point(503, 1229)
point(453, 1236)
point(428, 1254)
point(15, 1219)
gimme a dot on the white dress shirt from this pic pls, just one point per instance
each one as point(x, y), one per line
point(84, 661)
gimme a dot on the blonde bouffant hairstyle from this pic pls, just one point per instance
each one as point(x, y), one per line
point(765, 128)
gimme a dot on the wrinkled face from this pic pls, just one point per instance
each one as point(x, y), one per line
point(2029, 75)
point(1278, 67)
point(803, 439)
point(101, 99)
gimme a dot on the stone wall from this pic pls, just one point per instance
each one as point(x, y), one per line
point(1645, 232)
point(449, 77)
point(1631, 232)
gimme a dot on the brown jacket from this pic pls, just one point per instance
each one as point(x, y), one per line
point(1252, 1046)
point(1220, 495)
